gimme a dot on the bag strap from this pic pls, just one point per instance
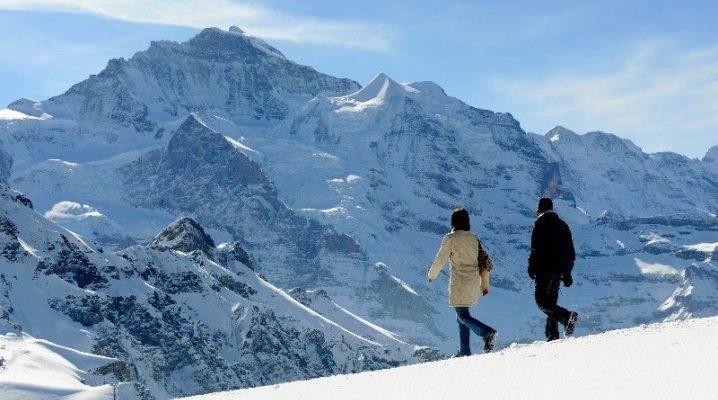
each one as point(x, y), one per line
point(478, 256)
point(483, 258)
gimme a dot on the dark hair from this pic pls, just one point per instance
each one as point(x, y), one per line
point(460, 219)
point(544, 205)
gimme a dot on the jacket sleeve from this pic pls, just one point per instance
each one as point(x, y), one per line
point(485, 277)
point(570, 251)
point(442, 256)
point(532, 254)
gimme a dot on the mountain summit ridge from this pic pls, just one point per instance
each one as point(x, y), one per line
point(380, 89)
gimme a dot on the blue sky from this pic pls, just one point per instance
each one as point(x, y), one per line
point(644, 70)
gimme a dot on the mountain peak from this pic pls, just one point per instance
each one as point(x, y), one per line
point(26, 106)
point(232, 44)
point(429, 87)
point(712, 155)
point(185, 235)
point(195, 146)
point(381, 76)
point(380, 89)
point(193, 122)
point(557, 132)
point(191, 129)
point(236, 29)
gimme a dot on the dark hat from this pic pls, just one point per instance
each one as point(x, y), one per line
point(544, 205)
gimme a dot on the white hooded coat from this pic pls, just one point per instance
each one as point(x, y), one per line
point(461, 249)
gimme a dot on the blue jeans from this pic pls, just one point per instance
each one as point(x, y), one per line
point(466, 323)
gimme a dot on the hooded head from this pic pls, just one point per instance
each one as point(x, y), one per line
point(460, 219)
point(544, 204)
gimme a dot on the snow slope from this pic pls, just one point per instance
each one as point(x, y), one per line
point(33, 368)
point(661, 361)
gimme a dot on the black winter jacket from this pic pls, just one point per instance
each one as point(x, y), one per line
point(552, 251)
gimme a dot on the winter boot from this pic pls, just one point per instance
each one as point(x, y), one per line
point(571, 323)
point(489, 342)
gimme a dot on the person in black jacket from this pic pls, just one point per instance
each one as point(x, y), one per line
point(551, 262)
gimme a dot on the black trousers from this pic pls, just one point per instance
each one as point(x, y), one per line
point(546, 298)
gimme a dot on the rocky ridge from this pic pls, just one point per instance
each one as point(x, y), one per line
point(180, 315)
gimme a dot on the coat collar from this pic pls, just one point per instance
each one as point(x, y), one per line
point(545, 213)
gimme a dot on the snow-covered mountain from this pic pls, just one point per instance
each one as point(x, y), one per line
point(339, 194)
point(601, 171)
point(131, 103)
point(178, 316)
point(399, 156)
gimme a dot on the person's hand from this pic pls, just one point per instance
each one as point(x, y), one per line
point(568, 280)
point(484, 291)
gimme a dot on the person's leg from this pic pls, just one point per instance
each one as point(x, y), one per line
point(546, 294)
point(553, 319)
point(561, 314)
point(551, 329)
point(464, 338)
point(478, 327)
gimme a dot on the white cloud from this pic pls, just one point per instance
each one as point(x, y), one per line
point(255, 19)
point(647, 268)
point(662, 97)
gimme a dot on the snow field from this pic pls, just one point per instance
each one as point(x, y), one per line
point(37, 369)
point(673, 360)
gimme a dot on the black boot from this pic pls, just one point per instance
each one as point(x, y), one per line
point(571, 323)
point(489, 342)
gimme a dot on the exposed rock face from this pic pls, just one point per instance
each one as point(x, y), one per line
point(222, 187)
point(183, 170)
point(184, 235)
point(5, 166)
point(711, 156)
point(696, 296)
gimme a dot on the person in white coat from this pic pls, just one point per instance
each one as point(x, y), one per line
point(461, 248)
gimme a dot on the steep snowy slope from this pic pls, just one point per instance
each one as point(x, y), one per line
point(179, 316)
point(35, 368)
point(662, 361)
